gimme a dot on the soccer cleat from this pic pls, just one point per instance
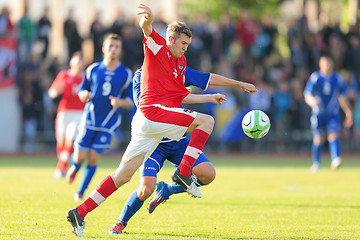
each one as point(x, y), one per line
point(315, 167)
point(158, 197)
point(71, 174)
point(187, 183)
point(77, 222)
point(336, 163)
point(78, 197)
point(117, 228)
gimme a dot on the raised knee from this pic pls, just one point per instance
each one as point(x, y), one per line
point(145, 192)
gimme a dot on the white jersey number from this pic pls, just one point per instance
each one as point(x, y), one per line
point(175, 73)
point(106, 88)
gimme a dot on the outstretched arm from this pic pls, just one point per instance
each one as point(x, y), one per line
point(218, 80)
point(345, 106)
point(216, 98)
point(146, 20)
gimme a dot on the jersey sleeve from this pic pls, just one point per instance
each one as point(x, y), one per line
point(196, 78)
point(86, 83)
point(309, 88)
point(136, 86)
point(127, 90)
point(58, 83)
point(154, 42)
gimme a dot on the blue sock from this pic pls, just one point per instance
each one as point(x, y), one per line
point(77, 165)
point(316, 153)
point(174, 188)
point(132, 205)
point(86, 177)
point(334, 148)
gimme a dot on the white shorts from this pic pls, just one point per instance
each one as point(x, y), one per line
point(147, 134)
point(67, 123)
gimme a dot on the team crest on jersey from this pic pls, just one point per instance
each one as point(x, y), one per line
point(181, 66)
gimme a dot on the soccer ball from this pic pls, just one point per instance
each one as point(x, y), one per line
point(255, 124)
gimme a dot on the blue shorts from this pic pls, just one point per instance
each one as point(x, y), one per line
point(172, 151)
point(320, 123)
point(88, 139)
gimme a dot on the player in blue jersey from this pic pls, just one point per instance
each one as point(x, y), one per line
point(107, 87)
point(324, 92)
point(203, 172)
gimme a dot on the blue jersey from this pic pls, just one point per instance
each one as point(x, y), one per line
point(327, 89)
point(99, 114)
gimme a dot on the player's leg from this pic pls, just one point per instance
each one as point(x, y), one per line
point(203, 174)
point(87, 175)
point(82, 147)
point(317, 128)
point(333, 128)
point(77, 158)
point(134, 203)
point(201, 129)
point(101, 142)
point(60, 145)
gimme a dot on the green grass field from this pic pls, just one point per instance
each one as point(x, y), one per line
point(252, 197)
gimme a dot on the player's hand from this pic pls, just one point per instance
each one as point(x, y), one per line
point(84, 96)
point(348, 122)
point(146, 13)
point(114, 101)
point(250, 88)
point(218, 98)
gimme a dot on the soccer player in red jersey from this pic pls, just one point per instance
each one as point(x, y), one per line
point(69, 112)
point(159, 115)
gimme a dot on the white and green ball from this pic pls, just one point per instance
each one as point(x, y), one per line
point(256, 124)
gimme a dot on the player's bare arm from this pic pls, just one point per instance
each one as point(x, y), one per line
point(120, 102)
point(218, 80)
point(84, 95)
point(345, 106)
point(146, 20)
point(216, 98)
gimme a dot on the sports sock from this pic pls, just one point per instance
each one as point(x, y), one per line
point(105, 188)
point(316, 153)
point(77, 165)
point(86, 177)
point(175, 188)
point(132, 205)
point(196, 145)
point(334, 148)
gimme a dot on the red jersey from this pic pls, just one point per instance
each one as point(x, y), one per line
point(162, 78)
point(69, 86)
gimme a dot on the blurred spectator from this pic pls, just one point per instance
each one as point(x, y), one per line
point(97, 33)
point(72, 35)
point(118, 23)
point(26, 36)
point(44, 28)
point(6, 26)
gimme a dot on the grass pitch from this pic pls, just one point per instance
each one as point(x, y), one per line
point(252, 197)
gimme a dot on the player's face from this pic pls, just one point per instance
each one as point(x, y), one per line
point(77, 62)
point(179, 44)
point(112, 49)
point(325, 65)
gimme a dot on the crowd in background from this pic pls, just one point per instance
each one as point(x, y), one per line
point(240, 48)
